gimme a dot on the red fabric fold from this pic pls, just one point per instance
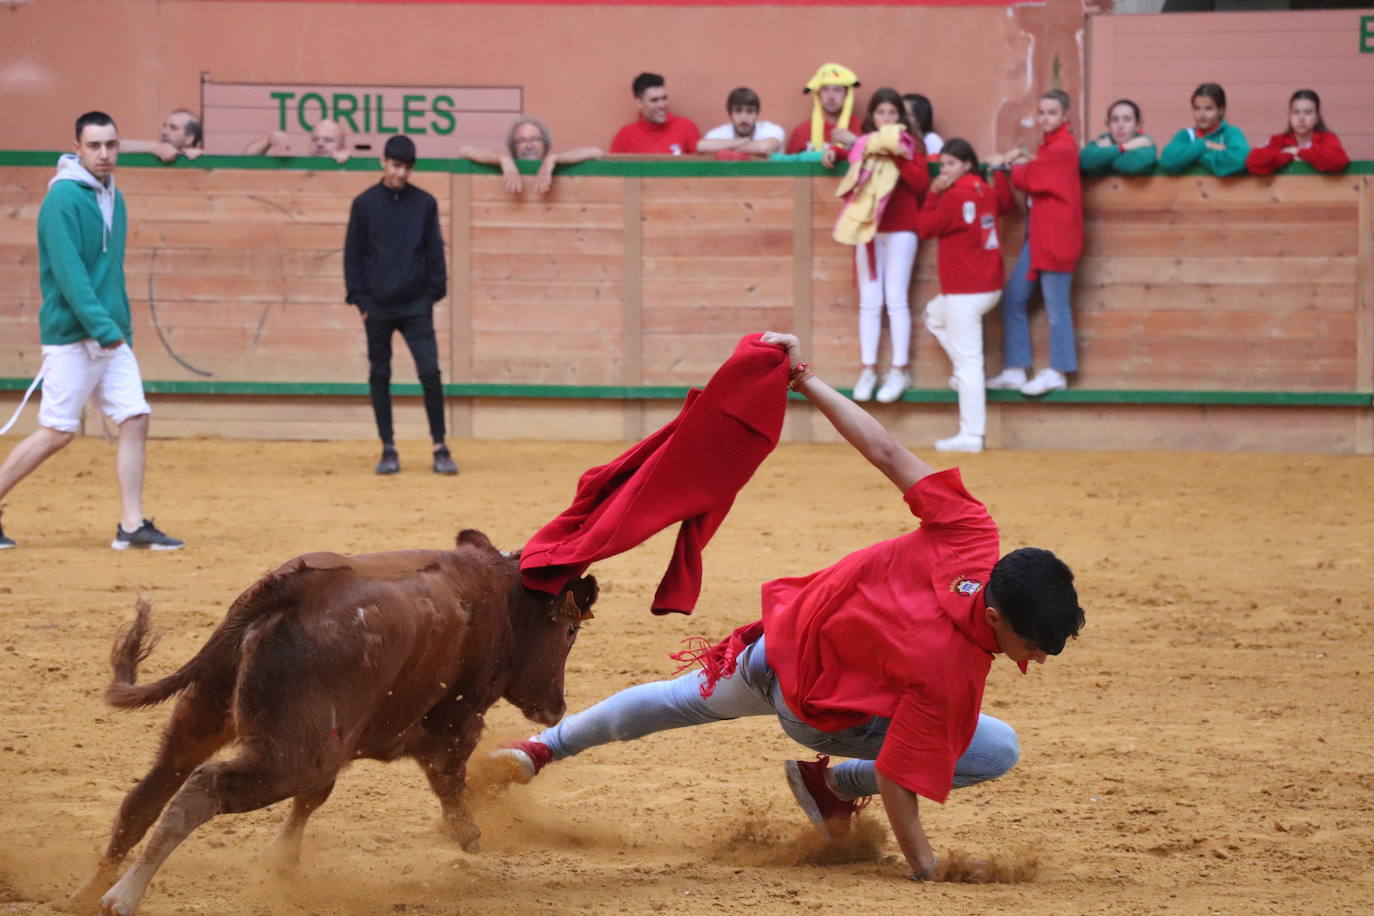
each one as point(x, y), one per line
point(689, 471)
point(718, 661)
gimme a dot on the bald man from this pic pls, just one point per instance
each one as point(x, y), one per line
point(328, 138)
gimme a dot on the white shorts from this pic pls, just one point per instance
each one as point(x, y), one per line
point(73, 372)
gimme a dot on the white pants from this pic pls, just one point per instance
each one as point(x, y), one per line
point(895, 255)
point(956, 320)
point(73, 372)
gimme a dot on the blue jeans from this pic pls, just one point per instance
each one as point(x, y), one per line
point(753, 690)
point(1016, 342)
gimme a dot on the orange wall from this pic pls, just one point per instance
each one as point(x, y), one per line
point(982, 66)
point(1259, 58)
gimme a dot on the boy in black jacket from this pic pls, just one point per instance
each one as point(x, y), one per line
point(394, 272)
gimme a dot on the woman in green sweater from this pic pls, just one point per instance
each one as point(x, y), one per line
point(1219, 147)
point(1123, 149)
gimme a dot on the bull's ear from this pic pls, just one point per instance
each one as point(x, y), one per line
point(475, 538)
point(585, 590)
point(569, 608)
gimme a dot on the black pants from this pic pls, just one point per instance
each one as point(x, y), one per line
point(418, 330)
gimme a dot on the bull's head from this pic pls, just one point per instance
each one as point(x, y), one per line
point(541, 651)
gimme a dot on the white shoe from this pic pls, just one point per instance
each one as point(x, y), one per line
point(894, 383)
point(1010, 378)
point(1045, 380)
point(863, 388)
point(960, 443)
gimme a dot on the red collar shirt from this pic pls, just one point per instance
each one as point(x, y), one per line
point(674, 136)
point(896, 630)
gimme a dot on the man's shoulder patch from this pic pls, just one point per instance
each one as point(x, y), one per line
point(962, 585)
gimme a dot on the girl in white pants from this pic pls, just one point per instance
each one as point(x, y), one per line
point(961, 211)
point(884, 267)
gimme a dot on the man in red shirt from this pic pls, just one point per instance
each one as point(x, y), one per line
point(656, 130)
point(833, 119)
point(882, 657)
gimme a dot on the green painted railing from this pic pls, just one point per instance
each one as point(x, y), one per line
point(677, 392)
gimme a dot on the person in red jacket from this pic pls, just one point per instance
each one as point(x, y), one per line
point(961, 211)
point(1306, 138)
point(881, 657)
point(832, 119)
point(884, 265)
point(1054, 240)
point(656, 130)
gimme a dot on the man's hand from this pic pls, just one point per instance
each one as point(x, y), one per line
point(843, 137)
point(1136, 142)
point(1104, 141)
point(1290, 150)
point(828, 157)
point(788, 342)
point(544, 179)
point(510, 176)
point(341, 156)
point(165, 151)
point(1212, 144)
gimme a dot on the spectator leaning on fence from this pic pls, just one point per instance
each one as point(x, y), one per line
point(1054, 240)
point(1211, 142)
point(923, 116)
point(327, 139)
point(1306, 138)
point(394, 271)
point(181, 136)
point(85, 328)
point(656, 130)
point(832, 121)
point(1123, 149)
point(744, 132)
point(528, 138)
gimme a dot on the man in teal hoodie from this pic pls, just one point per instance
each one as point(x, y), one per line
point(85, 327)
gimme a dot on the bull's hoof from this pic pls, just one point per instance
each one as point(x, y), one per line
point(113, 904)
point(86, 898)
point(473, 845)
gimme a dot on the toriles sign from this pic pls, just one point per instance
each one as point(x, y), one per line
point(438, 118)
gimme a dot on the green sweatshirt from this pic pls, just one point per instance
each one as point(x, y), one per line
point(1100, 160)
point(1187, 148)
point(81, 260)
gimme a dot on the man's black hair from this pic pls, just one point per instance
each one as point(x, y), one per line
point(400, 148)
point(1033, 591)
point(645, 82)
point(97, 118)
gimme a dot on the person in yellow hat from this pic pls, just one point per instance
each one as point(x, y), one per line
point(832, 111)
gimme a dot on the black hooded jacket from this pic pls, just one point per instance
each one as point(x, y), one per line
point(394, 252)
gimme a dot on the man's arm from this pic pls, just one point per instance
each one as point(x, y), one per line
point(277, 139)
point(164, 151)
point(437, 287)
point(355, 249)
point(854, 423)
point(510, 174)
point(903, 809)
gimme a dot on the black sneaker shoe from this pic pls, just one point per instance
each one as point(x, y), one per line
point(6, 543)
point(390, 463)
point(147, 537)
point(443, 461)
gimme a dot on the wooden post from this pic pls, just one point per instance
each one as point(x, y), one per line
point(1364, 317)
point(460, 300)
point(632, 315)
point(800, 417)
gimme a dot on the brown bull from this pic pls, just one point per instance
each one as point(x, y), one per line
point(327, 660)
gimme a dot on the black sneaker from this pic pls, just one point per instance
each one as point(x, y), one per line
point(390, 463)
point(443, 461)
point(6, 543)
point(147, 537)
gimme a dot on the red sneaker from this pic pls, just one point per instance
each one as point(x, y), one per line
point(831, 814)
point(524, 758)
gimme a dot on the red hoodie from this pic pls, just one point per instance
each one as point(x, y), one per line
point(1055, 203)
point(905, 201)
point(1325, 154)
point(964, 219)
point(689, 471)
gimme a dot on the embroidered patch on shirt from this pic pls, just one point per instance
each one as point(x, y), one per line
point(962, 585)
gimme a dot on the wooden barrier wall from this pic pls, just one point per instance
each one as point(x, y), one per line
point(1193, 294)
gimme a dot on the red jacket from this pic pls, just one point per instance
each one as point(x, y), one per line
point(1325, 154)
point(905, 202)
point(674, 136)
point(801, 134)
point(689, 471)
point(1055, 203)
point(964, 219)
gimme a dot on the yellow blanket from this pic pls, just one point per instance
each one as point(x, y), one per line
point(867, 184)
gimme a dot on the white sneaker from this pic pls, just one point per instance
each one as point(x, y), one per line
point(1010, 378)
point(894, 383)
point(1045, 380)
point(960, 443)
point(863, 388)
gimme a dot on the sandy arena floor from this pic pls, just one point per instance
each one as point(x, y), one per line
point(1206, 746)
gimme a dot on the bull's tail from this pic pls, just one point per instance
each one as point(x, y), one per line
point(132, 645)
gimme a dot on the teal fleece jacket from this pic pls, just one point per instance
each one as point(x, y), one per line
point(1102, 160)
point(81, 259)
point(1187, 148)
